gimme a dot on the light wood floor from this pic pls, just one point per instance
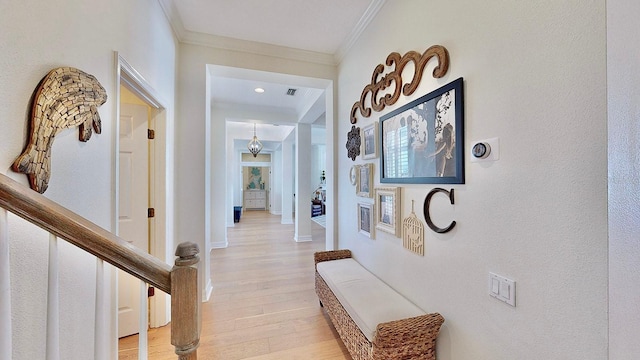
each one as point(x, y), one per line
point(264, 305)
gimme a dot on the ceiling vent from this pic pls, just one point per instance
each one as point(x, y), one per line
point(291, 92)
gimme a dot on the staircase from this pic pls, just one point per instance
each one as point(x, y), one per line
point(180, 281)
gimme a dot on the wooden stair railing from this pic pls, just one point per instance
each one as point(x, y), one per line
point(180, 281)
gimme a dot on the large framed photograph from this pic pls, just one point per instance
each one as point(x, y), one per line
point(365, 219)
point(370, 141)
point(388, 210)
point(364, 185)
point(423, 142)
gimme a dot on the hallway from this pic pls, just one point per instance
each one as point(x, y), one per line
point(263, 305)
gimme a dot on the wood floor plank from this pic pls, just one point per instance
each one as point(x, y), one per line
point(263, 305)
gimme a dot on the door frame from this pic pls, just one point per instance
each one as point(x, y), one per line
point(261, 164)
point(160, 240)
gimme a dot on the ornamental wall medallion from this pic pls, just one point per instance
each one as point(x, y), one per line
point(381, 81)
point(65, 98)
point(353, 142)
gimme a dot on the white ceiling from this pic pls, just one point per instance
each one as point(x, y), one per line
point(318, 29)
point(313, 25)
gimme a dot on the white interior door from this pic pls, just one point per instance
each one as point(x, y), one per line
point(134, 203)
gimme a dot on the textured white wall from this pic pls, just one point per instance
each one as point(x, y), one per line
point(35, 37)
point(535, 77)
point(623, 77)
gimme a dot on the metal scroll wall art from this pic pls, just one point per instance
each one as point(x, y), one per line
point(65, 98)
point(381, 82)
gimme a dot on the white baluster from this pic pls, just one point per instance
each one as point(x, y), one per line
point(144, 323)
point(101, 339)
point(5, 289)
point(53, 299)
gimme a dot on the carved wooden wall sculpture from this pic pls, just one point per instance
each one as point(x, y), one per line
point(65, 98)
point(380, 82)
point(353, 142)
point(413, 233)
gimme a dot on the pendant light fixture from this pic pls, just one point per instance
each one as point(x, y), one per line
point(254, 145)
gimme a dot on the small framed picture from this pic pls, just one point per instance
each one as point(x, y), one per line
point(388, 210)
point(365, 219)
point(364, 186)
point(370, 141)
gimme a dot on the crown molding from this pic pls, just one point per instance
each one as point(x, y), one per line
point(172, 15)
point(258, 48)
point(362, 24)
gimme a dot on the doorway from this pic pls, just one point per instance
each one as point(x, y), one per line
point(134, 202)
point(141, 186)
point(256, 185)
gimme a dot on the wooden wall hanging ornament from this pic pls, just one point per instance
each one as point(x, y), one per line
point(413, 233)
point(65, 98)
point(380, 81)
point(353, 143)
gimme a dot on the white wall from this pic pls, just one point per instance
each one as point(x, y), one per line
point(318, 163)
point(534, 76)
point(35, 37)
point(623, 77)
point(275, 195)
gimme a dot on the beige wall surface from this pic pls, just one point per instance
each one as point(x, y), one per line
point(35, 37)
point(535, 77)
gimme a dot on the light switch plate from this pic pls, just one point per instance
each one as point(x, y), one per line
point(502, 289)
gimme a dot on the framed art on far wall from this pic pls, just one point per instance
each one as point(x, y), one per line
point(388, 210)
point(370, 141)
point(423, 141)
point(365, 219)
point(364, 185)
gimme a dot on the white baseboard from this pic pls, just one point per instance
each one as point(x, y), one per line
point(220, 244)
point(303, 238)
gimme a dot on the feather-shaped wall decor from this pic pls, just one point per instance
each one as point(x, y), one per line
point(65, 98)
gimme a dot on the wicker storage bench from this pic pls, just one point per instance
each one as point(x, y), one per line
point(404, 337)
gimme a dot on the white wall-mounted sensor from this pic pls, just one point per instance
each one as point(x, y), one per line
point(481, 150)
point(485, 150)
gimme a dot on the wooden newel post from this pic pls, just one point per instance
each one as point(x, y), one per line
point(185, 302)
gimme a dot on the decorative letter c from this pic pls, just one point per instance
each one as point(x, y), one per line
point(427, 204)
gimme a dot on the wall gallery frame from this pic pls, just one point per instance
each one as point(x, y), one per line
point(370, 141)
point(388, 210)
point(365, 219)
point(364, 185)
point(423, 141)
point(353, 174)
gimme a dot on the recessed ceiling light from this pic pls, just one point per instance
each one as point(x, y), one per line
point(259, 90)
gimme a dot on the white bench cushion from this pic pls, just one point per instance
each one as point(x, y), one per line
point(367, 299)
